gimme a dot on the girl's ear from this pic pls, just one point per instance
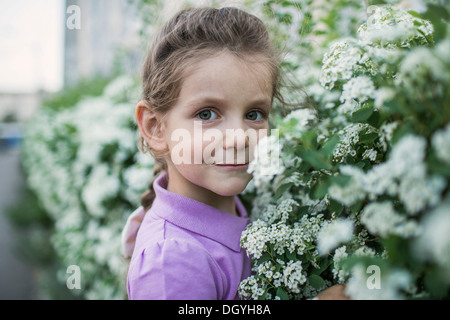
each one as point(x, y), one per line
point(150, 127)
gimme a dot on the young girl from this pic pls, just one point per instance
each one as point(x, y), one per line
point(213, 69)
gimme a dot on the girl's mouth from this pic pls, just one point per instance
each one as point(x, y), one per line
point(232, 166)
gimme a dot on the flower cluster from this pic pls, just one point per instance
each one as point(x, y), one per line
point(333, 233)
point(440, 144)
point(389, 26)
point(360, 182)
point(84, 166)
point(403, 175)
point(369, 170)
point(355, 92)
point(273, 236)
point(266, 162)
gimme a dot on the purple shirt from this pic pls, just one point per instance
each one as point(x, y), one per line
point(187, 250)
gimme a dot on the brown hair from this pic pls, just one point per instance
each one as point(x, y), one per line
point(190, 36)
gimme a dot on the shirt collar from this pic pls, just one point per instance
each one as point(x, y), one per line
point(198, 217)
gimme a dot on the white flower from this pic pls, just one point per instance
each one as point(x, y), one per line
point(353, 191)
point(251, 287)
point(122, 89)
point(393, 26)
point(340, 254)
point(386, 133)
point(355, 92)
point(434, 242)
point(422, 65)
point(349, 138)
point(293, 277)
point(441, 144)
point(303, 117)
point(339, 62)
point(390, 284)
point(137, 177)
point(418, 192)
point(334, 233)
point(408, 152)
point(267, 160)
point(403, 175)
point(381, 219)
point(101, 185)
point(370, 154)
point(382, 95)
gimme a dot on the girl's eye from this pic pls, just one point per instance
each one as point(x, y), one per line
point(207, 115)
point(254, 115)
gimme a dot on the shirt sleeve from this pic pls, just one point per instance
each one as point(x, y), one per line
point(175, 270)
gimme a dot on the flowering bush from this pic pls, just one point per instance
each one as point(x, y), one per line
point(363, 178)
point(364, 181)
point(84, 166)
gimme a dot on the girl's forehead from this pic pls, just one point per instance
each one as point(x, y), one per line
point(226, 74)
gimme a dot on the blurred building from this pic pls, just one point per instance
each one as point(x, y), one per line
point(19, 106)
point(99, 34)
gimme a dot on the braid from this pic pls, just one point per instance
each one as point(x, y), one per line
point(149, 196)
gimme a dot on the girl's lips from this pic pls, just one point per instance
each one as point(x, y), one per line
point(233, 166)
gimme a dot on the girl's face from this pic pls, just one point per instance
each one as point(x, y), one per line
point(211, 131)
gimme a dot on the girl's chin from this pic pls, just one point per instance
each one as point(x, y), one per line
point(229, 188)
point(217, 180)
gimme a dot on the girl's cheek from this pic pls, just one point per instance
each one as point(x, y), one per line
point(213, 146)
point(181, 147)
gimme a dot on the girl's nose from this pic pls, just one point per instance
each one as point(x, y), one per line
point(236, 144)
point(236, 137)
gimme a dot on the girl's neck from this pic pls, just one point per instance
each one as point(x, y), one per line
point(182, 186)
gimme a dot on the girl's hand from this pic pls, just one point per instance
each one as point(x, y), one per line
point(336, 292)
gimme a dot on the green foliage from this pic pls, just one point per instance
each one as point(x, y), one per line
point(364, 174)
point(83, 164)
point(70, 96)
point(367, 168)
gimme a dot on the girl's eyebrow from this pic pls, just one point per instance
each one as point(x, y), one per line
point(210, 100)
point(205, 100)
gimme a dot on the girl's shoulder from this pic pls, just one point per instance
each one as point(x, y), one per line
point(168, 267)
point(158, 233)
point(158, 237)
point(176, 263)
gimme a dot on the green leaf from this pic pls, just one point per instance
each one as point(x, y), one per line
point(335, 207)
point(328, 148)
point(362, 115)
point(374, 119)
point(320, 189)
point(341, 180)
point(282, 189)
point(316, 281)
point(265, 257)
point(282, 294)
point(368, 138)
point(435, 167)
point(323, 265)
point(356, 207)
point(438, 16)
point(315, 159)
point(277, 267)
point(434, 284)
point(414, 13)
point(309, 139)
point(291, 255)
point(263, 297)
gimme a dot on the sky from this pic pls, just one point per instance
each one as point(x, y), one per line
point(31, 45)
